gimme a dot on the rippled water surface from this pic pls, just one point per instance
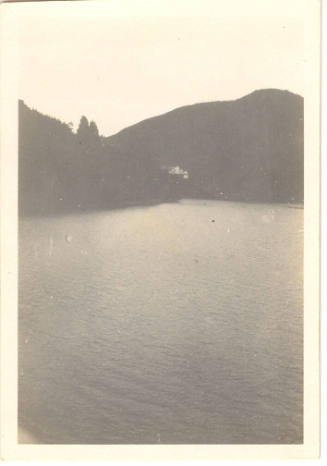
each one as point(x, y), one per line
point(177, 323)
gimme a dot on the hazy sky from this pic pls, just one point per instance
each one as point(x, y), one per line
point(120, 66)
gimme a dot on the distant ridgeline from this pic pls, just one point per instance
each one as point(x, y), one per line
point(250, 149)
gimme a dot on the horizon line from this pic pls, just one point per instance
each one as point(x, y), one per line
point(165, 113)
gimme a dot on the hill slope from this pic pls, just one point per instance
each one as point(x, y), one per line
point(247, 149)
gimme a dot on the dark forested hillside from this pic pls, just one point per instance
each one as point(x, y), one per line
point(62, 171)
point(249, 149)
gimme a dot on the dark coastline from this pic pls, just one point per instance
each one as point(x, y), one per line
point(149, 203)
point(220, 151)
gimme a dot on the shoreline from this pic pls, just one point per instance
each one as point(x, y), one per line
point(155, 202)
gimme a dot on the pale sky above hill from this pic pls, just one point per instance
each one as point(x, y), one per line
point(119, 62)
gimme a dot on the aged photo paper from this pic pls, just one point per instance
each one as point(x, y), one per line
point(160, 199)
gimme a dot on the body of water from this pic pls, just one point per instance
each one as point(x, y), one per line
point(177, 323)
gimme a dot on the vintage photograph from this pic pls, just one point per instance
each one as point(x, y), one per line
point(161, 225)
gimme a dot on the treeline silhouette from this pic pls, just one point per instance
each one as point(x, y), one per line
point(250, 149)
point(62, 171)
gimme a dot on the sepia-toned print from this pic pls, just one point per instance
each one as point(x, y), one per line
point(161, 218)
